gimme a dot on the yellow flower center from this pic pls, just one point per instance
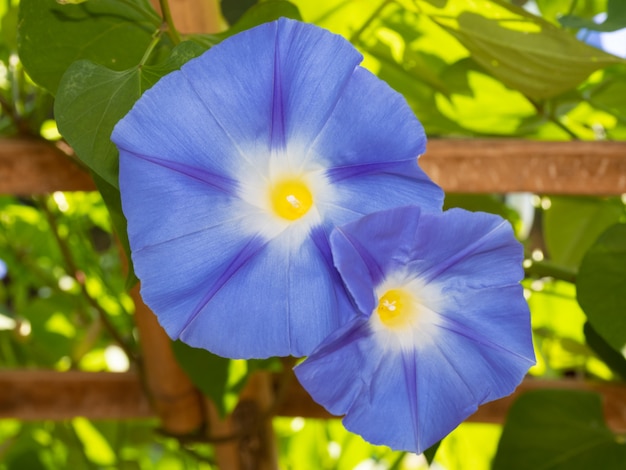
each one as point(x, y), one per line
point(291, 199)
point(397, 308)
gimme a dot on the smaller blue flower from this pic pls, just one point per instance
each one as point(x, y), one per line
point(440, 325)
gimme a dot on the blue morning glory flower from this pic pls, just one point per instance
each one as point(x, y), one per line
point(234, 171)
point(440, 325)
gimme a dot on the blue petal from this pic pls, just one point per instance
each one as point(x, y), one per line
point(497, 321)
point(406, 399)
point(367, 188)
point(255, 91)
point(389, 410)
point(369, 248)
point(162, 204)
point(178, 127)
point(371, 123)
point(340, 368)
point(203, 262)
point(178, 247)
point(377, 391)
point(470, 249)
point(274, 84)
point(284, 300)
point(314, 68)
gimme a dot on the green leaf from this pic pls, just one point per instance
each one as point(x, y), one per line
point(615, 360)
point(232, 10)
point(28, 459)
point(207, 371)
point(92, 99)
point(421, 98)
point(51, 36)
point(8, 29)
point(601, 286)
point(255, 15)
point(553, 10)
point(523, 51)
point(264, 13)
point(557, 321)
point(572, 224)
point(615, 18)
point(558, 430)
point(396, 42)
point(95, 445)
point(431, 452)
point(610, 94)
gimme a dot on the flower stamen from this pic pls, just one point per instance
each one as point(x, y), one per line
point(397, 308)
point(291, 199)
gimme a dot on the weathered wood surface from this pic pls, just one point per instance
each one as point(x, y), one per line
point(502, 165)
point(39, 394)
point(170, 391)
point(458, 165)
point(38, 167)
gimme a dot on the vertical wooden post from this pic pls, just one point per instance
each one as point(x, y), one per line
point(194, 16)
point(174, 397)
point(255, 446)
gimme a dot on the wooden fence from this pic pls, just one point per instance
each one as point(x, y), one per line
point(29, 167)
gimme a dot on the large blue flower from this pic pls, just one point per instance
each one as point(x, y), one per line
point(235, 169)
point(440, 325)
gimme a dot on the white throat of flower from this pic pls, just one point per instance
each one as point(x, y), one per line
point(283, 198)
point(406, 317)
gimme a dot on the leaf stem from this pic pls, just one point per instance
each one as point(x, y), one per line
point(145, 9)
point(549, 269)
point(550, 117)
point(169, 21)
point(572, 7)
point(156, 37)
point(357, 34)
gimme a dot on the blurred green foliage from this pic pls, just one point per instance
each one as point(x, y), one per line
point(485, 68)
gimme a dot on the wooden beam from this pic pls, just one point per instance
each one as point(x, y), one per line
point(37, 395)
point(509, 165)
point(170, 391)
point(458, 165)
point(39, 167)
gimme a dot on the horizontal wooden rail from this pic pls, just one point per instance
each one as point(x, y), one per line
point(502, 165)
point(38, 167)
point(38, 395)
point(458, 165)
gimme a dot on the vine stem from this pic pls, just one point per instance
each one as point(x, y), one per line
point(548, 269)
point(73, 270)
point(169, 21)
point(355, 37)
point(540, 110)
point(156, 37)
